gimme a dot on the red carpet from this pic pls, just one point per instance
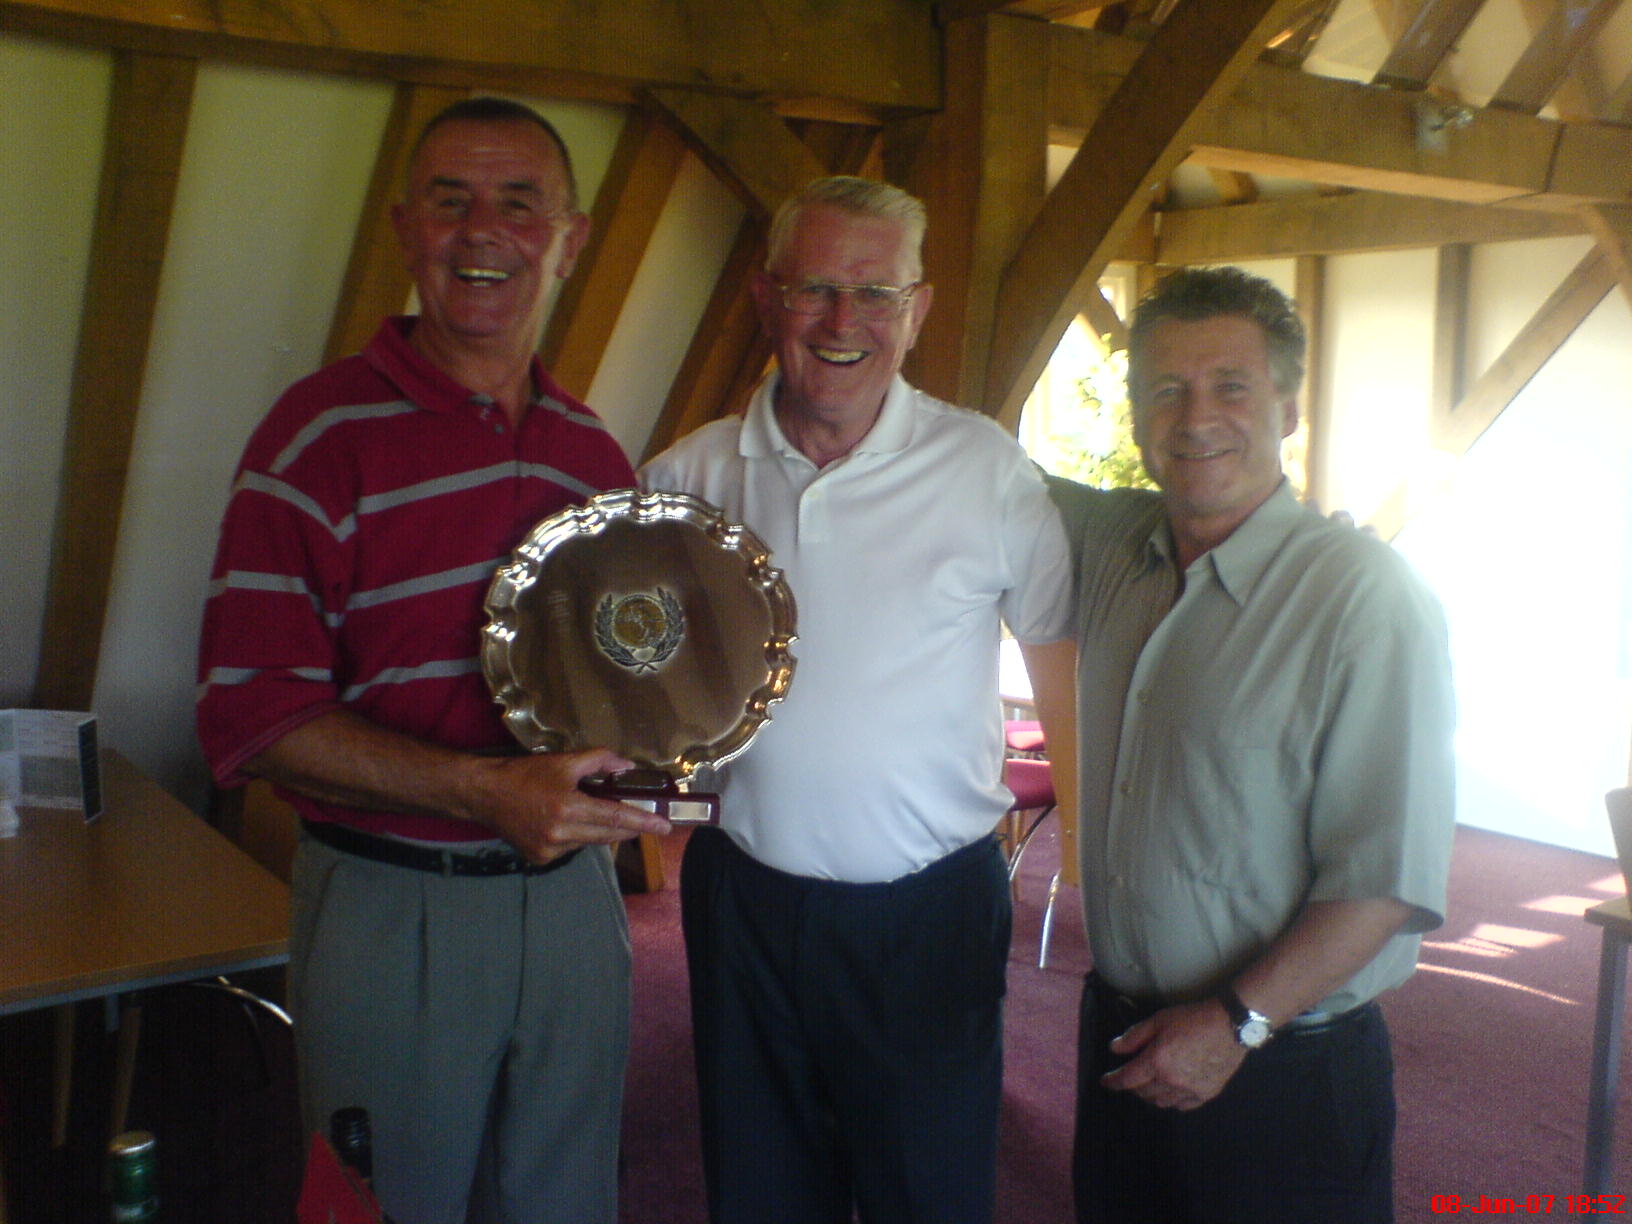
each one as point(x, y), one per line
point(1492, 1044)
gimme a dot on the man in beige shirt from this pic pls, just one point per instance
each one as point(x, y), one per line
point(1266, 779)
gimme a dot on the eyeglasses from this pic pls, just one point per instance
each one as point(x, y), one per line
point(868, 301)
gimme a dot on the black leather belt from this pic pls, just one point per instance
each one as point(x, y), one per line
point(1126, 1012)
point(489, 862)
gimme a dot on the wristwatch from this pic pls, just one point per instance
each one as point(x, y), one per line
point(1252, 1029)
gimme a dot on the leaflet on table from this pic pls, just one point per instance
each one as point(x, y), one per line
point(49, 758)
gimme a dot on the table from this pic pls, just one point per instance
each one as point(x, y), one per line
point(1616, 919)
point(146, 896)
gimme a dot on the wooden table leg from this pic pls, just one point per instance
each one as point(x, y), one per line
point(62, 1079)
point(124, 1064)
point(1606, 1061)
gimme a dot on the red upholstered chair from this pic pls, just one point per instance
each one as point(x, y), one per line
point(1032, 785)
point(1023, 737)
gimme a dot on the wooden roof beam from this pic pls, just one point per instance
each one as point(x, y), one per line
point(1290, 46)
point(1568, 30)
point(644, 167)
point(148, 108)
point(377, 282)
point(981, 168)
point(1612, 226)
point(1427, 41)
point(1343, 224)
point(747, 145)
point(1491, 394)
point(1278, 122)
point(878, 56)
point(1188, 68)
point(1496, 389)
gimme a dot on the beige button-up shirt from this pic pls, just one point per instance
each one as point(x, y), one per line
point(1273, 729)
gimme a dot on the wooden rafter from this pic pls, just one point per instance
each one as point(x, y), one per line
point(980, 166)
point(1618, 109)
point(1344, 224)
point(727, 338)
point(1234, 187)
point(1537, 341)
point(1429, 38)
point(1105, 323)
point(1612, 226)
point(748, 146)
point(376, 283)
point(788, 52)
point(148, 108)
point(632, 195)
point(1568, 30)
point(1276, 121)
point(1309, 292)
point(1491, 394)
point(1290, 46)
point(1450, 331)
point(1190, 65)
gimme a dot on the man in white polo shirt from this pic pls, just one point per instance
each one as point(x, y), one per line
point(848, 930)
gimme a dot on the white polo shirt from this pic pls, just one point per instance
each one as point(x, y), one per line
point(887, 753)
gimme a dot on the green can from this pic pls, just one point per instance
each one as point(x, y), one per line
point(133, 1176)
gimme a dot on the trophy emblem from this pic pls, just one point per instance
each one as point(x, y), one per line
point(640, 631)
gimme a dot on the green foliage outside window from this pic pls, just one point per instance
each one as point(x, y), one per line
point(1093, 442)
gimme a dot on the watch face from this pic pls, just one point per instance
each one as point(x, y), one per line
point(1253, 1033)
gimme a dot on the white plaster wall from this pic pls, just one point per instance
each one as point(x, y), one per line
point(666, 299)
point(1529, 546)
point(1379, 323)
point(52, 162)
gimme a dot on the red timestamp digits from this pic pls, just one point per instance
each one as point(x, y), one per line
point(1534, 1204)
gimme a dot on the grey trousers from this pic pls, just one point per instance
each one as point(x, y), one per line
point(482, 1022)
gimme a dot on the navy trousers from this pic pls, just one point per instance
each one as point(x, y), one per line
point(1303, 1132)
point(848, 1037)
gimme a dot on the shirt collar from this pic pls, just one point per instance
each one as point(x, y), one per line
point(426, 385)
point(761, 436)
point(1241, 559)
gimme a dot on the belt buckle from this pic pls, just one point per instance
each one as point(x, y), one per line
point(493, 861)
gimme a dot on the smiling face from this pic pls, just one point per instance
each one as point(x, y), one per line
point(486, 228)
point(836, 367)
point(1209, 420)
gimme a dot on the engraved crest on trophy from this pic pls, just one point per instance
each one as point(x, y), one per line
point(648, 624)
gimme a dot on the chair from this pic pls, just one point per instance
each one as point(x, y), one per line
point(1032, 784)
point(1023, 737)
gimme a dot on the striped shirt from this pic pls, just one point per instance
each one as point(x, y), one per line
point(367, 518)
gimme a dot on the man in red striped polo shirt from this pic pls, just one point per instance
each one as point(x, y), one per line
point(459, 958)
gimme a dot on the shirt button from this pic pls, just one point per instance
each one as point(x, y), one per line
point(1126, 788)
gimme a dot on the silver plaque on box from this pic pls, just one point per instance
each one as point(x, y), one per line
point(648, 624)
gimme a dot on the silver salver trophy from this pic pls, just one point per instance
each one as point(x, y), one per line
point(644, 623)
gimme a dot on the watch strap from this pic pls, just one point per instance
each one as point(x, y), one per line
point(1243, 1019)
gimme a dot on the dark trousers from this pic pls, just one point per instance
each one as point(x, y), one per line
point(848, 1037)
point(1304, 1131)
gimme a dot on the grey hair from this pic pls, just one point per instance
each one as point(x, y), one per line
point(1194, 294)
point(864, 197)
